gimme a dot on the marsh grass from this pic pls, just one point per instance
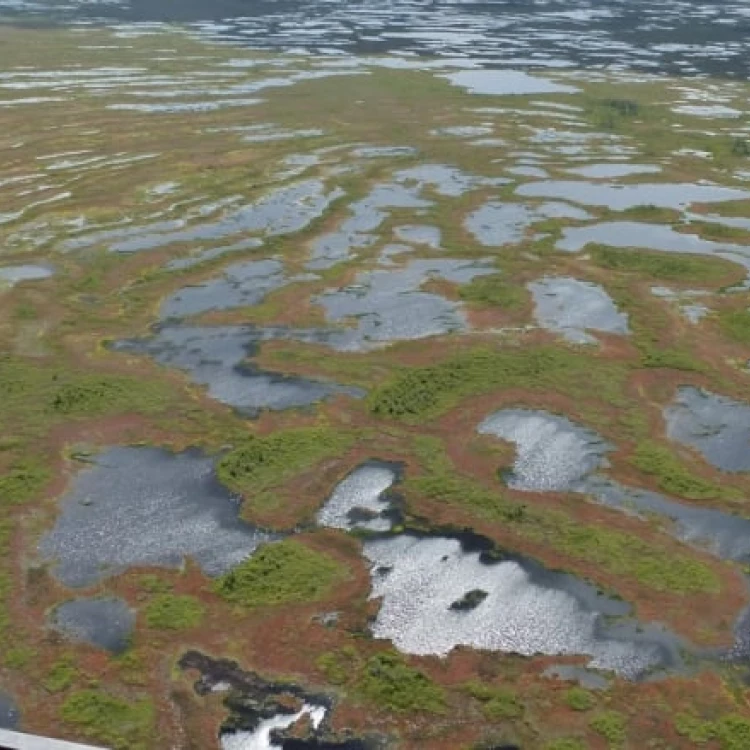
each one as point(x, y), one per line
point(174, 612)
point(719, 232)
point(651, 332)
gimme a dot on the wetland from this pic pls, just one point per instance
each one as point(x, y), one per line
point(375, 377)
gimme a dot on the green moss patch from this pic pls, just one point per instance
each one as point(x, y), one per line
point(494, 291)
point(610, 725)
point(497, 703)
point(390, 683)
point(260, 464)
point(625, 555)
point(34, 395)
point(441, 482)
point(337, 666)
point(579, 699)
point(23, 481)
point(61, 676)
point(281, 573)
point(102, 717)
point(565, 743)
point(173, 612)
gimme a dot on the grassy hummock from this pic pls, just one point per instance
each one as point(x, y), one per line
point(281, 573)
point(259, 464)
point(102, 717)
point(494, 291)
point(173, 612)
point(497, 703)
point(389, 682)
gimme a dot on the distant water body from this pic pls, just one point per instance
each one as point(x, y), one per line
point(676, 37)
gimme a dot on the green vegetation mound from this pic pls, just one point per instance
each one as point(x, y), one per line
point(281, 573)
point(33, 396)
point(497, 703)
point(494, 291)
point(104, 718)
point(259, 464)
point(610, 725)
point(393, 685)
point(173, 612)
point(579, 699)
point(731, 732)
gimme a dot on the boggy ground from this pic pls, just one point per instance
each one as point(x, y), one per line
point(135, 166)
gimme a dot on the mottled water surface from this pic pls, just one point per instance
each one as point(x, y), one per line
point(527, 609)
point(360, 501)
point(138, 507)
point(105, 622)
point(572, 307)
point(718, 427)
